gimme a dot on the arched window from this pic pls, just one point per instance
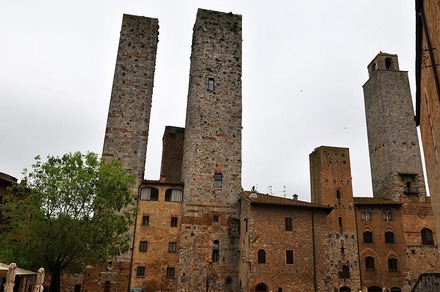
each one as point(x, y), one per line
point(369, 263)
point(338, 195)
point(261, 256)
point(149, 194)
point(345, 289)
point(388, 63)
point(368, 237)
point(387, 216)
point(427, 238)
point(389, 237)
point(341, 228)
point(173, 195)
point(392, 265)
point(366, 216)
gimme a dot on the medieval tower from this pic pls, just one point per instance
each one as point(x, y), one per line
point(330, 181)
point(395, 159)
point(211, 170)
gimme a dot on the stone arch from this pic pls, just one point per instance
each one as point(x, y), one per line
point(374, 289)
point(261, 287)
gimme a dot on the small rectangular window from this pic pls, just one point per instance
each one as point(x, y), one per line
point(216, 218)
point(288, 226)
point(172, 247)
point(143, 246)
point(215, 255)
point(140, 271)
point(170, 272)
point(173, 221)
point(280, 289)
point(211, 84)
point(145, 220)
point(218, 180)
point(289, 257)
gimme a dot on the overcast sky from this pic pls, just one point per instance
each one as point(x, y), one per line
point(304, 64)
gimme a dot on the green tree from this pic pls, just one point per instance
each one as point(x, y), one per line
point(72, 211)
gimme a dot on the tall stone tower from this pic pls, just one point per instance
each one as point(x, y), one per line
point(128, 119)
point(211, 168)
point(395, 159)
point(330, 180)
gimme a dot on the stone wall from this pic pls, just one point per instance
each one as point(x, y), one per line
point(395, 158)
point(155, 227)
point(172, 154)
point(128, 119)
point(430, 103)
point(330, 176)
point(212, 155)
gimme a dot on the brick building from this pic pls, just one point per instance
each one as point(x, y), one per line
point(197, 230)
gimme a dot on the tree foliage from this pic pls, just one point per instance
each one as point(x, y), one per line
point(72, 211)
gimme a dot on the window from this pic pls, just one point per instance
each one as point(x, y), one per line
point(172, 247)
point(338, 196)
point(340, 224)
point(218, 180)
point(345, 289)
point(389, 237)
point(345, 273)
point(369, 263)
point(386, 216)
point(395, 289)
point(145, 220)
point(392, 265)
point(427, 238)
point(77, 288)
point(368, 237)
point(261, 256)
point(143, 245)
point(173, 222)
point(280, 289)
point(216, 218)
point(215, 255)
point(173, 195)
point(246, 224)
point(366, 216)
point(140, 271)
point(289, 257)
point(149, 194)
point(211, 84)
point(170, 272)
point(388, 63)
point(288, 226)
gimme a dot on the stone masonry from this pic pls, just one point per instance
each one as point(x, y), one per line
point(396, 165)
point(128, 119)
point(212, 156)
point(330, 180)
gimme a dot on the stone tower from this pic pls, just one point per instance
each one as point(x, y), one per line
point(211, 169)
point(330, 179)
point(395, 159)
point(128, 119)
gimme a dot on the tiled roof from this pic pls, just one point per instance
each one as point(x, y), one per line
point(257, 198)
point(7, 177)
point(374, 201)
